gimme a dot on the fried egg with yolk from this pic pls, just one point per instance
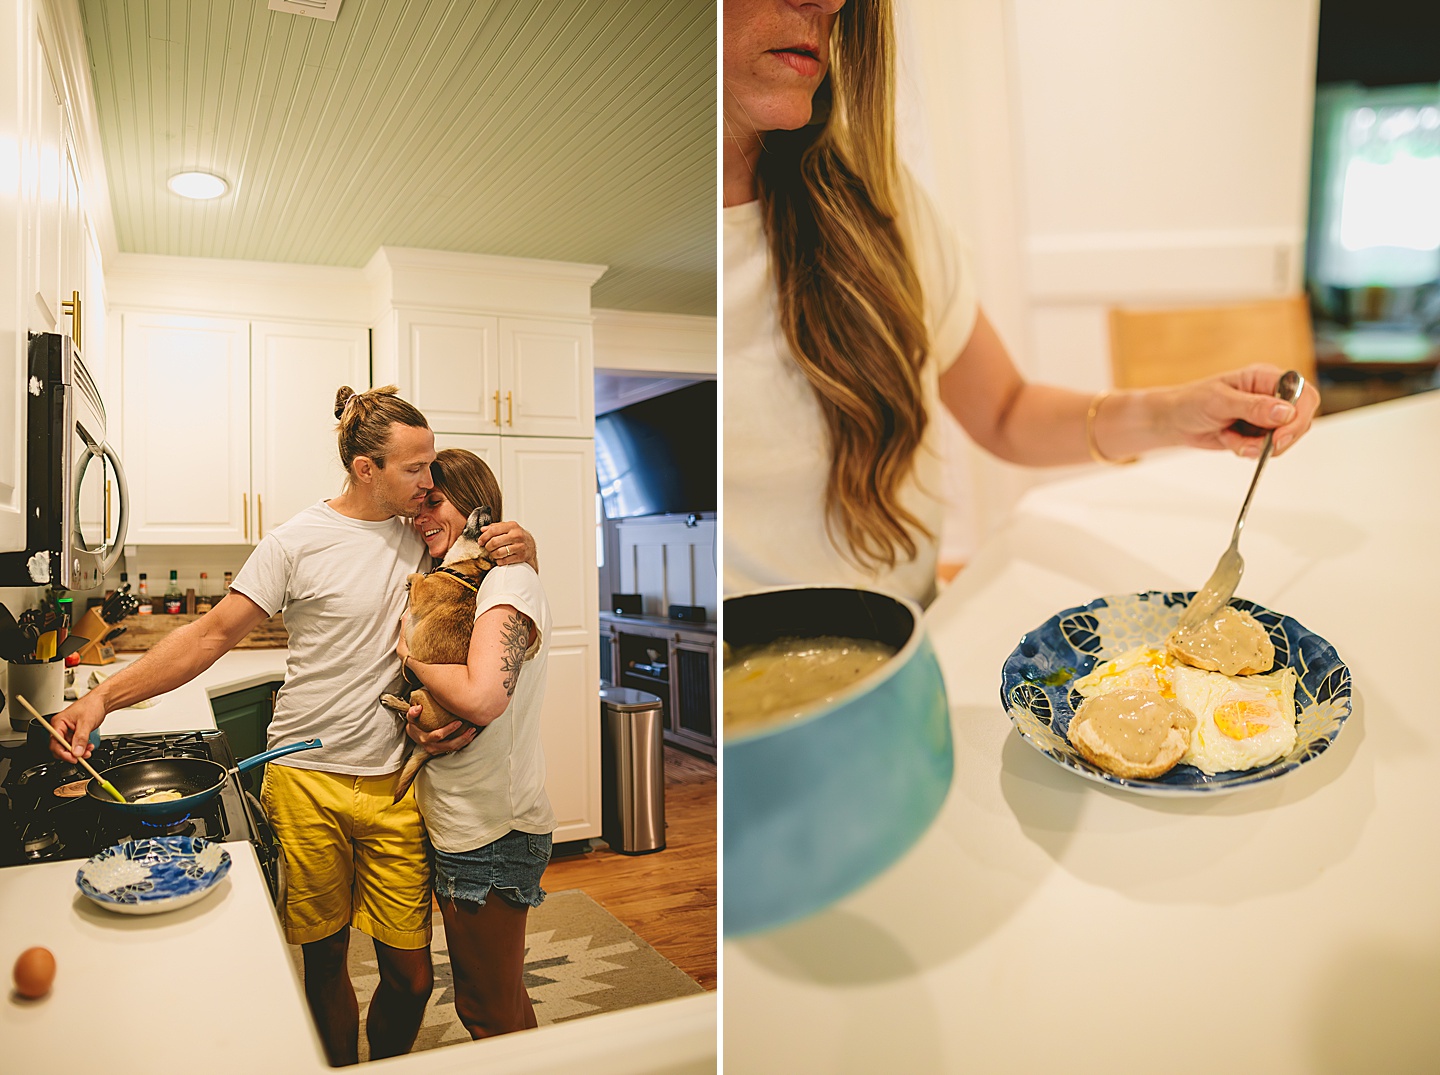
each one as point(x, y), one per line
point(1241, 721)
point(1144, 668)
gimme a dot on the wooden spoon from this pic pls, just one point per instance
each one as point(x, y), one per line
point(105, 785)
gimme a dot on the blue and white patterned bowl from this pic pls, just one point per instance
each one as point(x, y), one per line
point(1035, 684)
point(151, 876)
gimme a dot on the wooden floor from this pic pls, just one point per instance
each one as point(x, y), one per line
point(667, 897)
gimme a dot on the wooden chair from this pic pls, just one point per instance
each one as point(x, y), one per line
point(1150, 347)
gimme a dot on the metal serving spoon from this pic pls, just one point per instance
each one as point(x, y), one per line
point(1220, 587)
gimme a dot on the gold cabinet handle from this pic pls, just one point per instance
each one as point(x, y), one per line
point(107, 513)
point(509, 410)
point(245, 513)
point(259, 517)
point(497, 406)
point(72, 307)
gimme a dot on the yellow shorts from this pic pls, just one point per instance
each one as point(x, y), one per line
point(352, 856)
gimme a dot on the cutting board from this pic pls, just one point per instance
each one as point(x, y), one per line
point(144, 631)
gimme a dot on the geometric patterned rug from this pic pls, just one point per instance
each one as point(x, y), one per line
point(579, 960)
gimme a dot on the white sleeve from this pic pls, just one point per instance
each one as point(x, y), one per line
point(948, 281)
point(518, 586)
point(265, 577)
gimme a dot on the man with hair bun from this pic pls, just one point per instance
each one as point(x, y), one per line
point(353, 857)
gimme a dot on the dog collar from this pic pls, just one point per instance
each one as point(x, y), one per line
point(461, 579)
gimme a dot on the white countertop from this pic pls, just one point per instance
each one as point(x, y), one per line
point(211, 986)
point(187, 707)
point(1047, 923)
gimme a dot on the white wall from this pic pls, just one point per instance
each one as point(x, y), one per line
point(667, 562)
point(654, 343)
point(1107, 152)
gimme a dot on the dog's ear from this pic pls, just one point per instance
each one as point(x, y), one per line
point(479, 519)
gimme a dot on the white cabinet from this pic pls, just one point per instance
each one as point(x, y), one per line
point(547, 378)
point(229, 425)
point(57, 218)
point(474, 373)
point(186, 398)
point(548, 484)
point(294, 372)
point(447, 364)
point(42, 232)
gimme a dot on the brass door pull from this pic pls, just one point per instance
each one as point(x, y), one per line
point(509, 410)
point(259, 517)
point(497, 406)
point(107, 513)
point(72, 307)
point(245, 513)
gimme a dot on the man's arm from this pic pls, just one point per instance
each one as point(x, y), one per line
point(174, 661)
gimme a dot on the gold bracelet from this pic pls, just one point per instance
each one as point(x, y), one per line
point(1090, 442)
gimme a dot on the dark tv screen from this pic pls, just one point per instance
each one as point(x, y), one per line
point(657, 457)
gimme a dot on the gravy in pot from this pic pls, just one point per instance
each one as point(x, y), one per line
point(778, 680)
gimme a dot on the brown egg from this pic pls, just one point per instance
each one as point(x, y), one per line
point(34, 972)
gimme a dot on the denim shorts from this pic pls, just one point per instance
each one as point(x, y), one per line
point(512, 865)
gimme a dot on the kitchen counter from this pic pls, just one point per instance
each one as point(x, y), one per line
point(1048, 923)
point(213, 985)
point(185, 708)
point(153, 992)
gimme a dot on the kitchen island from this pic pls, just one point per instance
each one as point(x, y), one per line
point(1046, 923)
point(212, 985)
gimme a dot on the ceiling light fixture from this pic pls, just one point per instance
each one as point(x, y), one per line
point(198, 185)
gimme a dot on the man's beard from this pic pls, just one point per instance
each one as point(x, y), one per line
point(406, 509)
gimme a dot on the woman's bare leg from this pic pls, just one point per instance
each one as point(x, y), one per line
point(487, 959)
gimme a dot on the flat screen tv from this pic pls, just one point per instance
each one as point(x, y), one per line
point(657, 456)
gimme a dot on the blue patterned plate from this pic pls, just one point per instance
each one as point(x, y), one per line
point(150, 876)
point(1035, 684)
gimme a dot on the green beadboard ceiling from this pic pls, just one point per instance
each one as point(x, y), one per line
point(574, 130)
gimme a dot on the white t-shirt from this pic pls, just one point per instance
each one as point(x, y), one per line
point(776, 446)
point(476, 795)
point(341, 584)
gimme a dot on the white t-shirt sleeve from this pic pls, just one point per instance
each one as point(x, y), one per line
point(265, 576)
point(518, 586)
point(951, 305)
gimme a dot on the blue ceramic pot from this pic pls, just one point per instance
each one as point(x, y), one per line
point(818, 805)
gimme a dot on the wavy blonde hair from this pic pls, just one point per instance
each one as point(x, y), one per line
point(849, 297)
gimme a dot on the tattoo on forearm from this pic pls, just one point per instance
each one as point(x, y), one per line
point(515, 636)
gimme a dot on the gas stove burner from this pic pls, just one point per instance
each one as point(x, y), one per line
point(145, 830)
point(45, 844)
point(186, 750)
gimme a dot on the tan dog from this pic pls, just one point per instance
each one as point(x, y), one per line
point(442, 619)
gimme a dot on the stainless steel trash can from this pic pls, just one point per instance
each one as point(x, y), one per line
point(632, 773)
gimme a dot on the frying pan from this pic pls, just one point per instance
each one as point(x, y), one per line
point(197, 779)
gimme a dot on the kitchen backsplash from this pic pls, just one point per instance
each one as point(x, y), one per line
point(157, 561)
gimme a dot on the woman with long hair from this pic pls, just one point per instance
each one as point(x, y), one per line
point(485, 808)
point(850, 317)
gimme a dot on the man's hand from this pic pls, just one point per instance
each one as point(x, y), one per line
point(75, 723)
point(457, 735)
point(509, 543)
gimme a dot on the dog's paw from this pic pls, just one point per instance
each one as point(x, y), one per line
point(399, 705)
